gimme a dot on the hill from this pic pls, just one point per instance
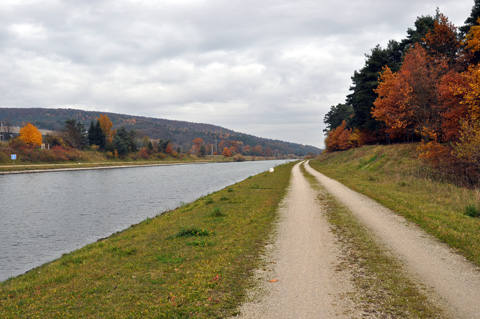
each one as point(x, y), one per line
point(178, 132)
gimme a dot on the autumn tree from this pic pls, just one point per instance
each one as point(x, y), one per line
point(226, 152)
point(106, 126)
point(31, 135)
point(332, 140)
point(409, 97)
point(468, 147)
point(169, 148)
point(391, 106)
point(452, 107)
point(197, 144)
point(442, 43)
point(269, 152)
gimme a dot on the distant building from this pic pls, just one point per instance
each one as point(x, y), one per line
point(9, 132)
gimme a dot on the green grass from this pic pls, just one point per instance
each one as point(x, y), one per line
point(184, 263)
point(383, 290)
point(393, 176)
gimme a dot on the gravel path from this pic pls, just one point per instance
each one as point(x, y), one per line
point(451, 281)
point(306, 283)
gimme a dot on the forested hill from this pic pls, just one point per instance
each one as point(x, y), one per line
point(178, 132)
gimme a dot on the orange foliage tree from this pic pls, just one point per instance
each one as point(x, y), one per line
point(442, 43)
point(409, 98)
point(226, 152)
point(106, 126)
point(197, 144)
point(452, 108)
point(343, 138)
point(391, 106)
point(169, 149)
point(31, 135)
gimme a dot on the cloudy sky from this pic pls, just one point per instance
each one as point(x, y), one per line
point(270, 68)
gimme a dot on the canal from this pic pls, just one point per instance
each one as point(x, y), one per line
point(44, 215)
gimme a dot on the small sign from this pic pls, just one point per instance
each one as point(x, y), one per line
point(14, 157)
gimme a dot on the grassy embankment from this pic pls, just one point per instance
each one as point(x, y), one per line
point(194, 261)
point(394, 176)
point(382, 288)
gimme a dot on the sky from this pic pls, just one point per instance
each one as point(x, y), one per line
point(270, 68)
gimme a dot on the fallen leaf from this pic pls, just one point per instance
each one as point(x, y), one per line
point(273, 280)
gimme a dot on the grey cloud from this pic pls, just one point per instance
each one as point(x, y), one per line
point(271, 68)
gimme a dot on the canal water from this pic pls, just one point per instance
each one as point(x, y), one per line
point(44, 215)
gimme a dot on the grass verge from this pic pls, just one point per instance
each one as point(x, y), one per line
point(383, 290)
point(194, 261)
point(394, 177)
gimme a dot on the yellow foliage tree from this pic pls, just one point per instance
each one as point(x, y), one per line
point(468, 147)
point(473, 38)
point(106, 126)
point(31, 135)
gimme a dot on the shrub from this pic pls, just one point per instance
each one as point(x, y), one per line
point(143, 153)
point(472, 211)
point(238, 158)
point(193, 231)
point(4, 158)
point(217, 212)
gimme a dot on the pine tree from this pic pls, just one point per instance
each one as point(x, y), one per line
point(472, 19)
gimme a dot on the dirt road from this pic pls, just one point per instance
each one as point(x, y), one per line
point(304, 258)
point(454, 283)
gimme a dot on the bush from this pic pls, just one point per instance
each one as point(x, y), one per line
point(217, 212)
point(193, 231)
point(472, 211)
point(5, 158)
point(238, 158)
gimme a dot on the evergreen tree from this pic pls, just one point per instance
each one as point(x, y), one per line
point(74, 134)
point(96, 136)
point(364, 81)
point(92, 134)
point(337, 114)
point(101, 137)
point(423, 24)
point(124, 141)
point(203, 151)
point(472, 19)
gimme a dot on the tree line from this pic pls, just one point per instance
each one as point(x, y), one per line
point(179, 133)
point(424, 89)
point(113, 143)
